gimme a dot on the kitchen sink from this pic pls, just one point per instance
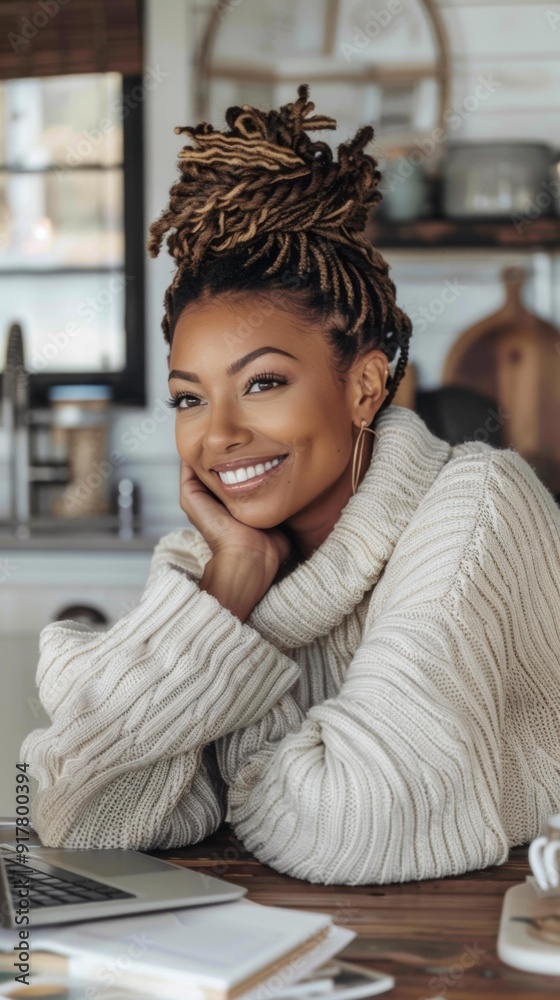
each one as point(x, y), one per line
point(76, 541)
point(76, 533)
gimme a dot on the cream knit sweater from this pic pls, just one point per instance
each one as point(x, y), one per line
point(389, 711)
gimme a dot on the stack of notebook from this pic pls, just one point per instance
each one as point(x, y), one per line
point(221, 952)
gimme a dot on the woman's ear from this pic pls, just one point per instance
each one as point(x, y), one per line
point(367, 390)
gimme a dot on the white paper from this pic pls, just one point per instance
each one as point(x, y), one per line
point(201, 948)
point(86, 970)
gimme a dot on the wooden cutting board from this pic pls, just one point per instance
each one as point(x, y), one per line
point(513, 356)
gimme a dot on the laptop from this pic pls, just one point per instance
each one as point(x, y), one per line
point(60, 885)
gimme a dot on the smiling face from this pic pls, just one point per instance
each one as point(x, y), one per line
point(258, 385)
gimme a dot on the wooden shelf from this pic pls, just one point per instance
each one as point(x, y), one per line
point(429, 234)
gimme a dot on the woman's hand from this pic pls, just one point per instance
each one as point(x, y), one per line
point(244, 560)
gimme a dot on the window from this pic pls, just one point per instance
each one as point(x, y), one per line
point(72, 230)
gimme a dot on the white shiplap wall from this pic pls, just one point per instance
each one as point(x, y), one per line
point(516, 43)
point(519, 45)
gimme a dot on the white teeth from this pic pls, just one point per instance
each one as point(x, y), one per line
point(242, 475)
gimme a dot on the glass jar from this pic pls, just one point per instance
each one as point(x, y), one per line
point(80, 425)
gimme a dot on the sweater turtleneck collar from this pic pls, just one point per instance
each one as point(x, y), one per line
point(315, 597)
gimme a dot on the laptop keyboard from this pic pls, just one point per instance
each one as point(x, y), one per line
point(54, 886)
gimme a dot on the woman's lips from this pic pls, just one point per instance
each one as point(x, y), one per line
point(250, 483)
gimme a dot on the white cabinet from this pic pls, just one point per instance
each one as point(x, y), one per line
point(35, 588)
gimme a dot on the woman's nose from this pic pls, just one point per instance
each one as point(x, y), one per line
point(225, 427)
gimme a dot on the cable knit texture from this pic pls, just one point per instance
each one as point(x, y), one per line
point(389, 711)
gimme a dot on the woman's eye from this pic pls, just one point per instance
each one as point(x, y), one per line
point(263, 381)
point(268, 379)
point(176, 401)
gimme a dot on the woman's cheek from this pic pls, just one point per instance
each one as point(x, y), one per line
point(184, 444)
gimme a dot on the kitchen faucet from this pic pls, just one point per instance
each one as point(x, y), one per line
point(24, 468)
point(15, 418)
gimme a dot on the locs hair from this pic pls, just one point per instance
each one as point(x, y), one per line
point(262, 208)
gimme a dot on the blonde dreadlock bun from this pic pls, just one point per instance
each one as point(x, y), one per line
point(265, 175)
point(261, 202)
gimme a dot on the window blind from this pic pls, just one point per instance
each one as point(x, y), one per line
point(55, 37)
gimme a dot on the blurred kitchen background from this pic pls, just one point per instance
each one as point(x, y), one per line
point(464, 96)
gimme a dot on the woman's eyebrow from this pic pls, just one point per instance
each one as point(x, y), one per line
point(235, 367)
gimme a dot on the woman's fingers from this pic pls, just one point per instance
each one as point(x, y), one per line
point(191, 484)
point(188, 475)
point(202, 508)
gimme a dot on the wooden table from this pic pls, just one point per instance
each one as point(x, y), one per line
point(437, 938)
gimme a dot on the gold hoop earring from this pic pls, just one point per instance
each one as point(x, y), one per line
point(357, 460)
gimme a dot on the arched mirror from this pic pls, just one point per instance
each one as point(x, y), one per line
point(382, 62)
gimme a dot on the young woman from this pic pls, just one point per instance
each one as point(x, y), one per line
point(355, 646)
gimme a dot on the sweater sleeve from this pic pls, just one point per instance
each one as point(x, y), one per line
point(389, 781)
point(417, 767)
point(128, 760)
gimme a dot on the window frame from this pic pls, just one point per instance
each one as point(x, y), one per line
point(128, 385)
